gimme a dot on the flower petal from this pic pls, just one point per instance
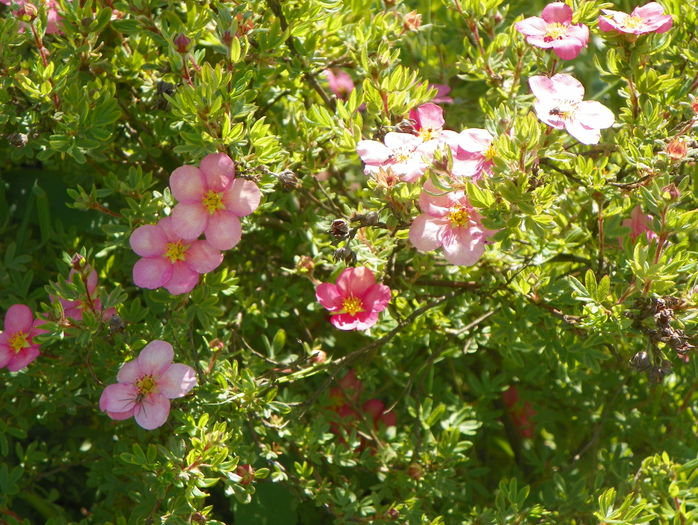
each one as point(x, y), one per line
point(183, 279)
point(218, 170)
point(155, 357)
point(557, 12)
point(428, 116)
point(119, 397)
point(425, 233)
point(463, 248)
point(152, 412)
point(19, 318)
point(532, 26)
point(344, 321)
point(242, 197)
point(148, 241)
point(329, 296)
point(129, 372)
point(567, 48)
point(177, 381)
point(593, 114)
point(355, 281)
point(202, 257)
point(373, 152)
point(152, 272)
point(23, 358)
point(188, 184)
point(189, 219)
point(223, 231)
point(582, 133)
point(401, 141)
point(376, 298)
point(6, 353)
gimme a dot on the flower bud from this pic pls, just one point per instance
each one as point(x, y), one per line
point(216, 345)
point(77, 262)
point(412, 21)
point(181, 43)
point(677, 149)
point(339, 229)
point(671, 192)
point(305, 264)
point(345, 254)
point(246, 472)
point(165, 88)
point(288, 180)
point(694, 105)
point(640, 361)
point(318, 357)
point(28, 12)
point(393, 514)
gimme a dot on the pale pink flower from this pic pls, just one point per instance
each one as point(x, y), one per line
point(355, 300)
point(559, 103)
point(17, 346)
point(639, 223)
point(429, 121)
point(649, 18)
point(473, 153)
point(211, 201)
point(168, 259)
point(555, 30)
point(145, 386)
point(340, 82)
point(406, 155)
point(442, 92)
point(450, 222)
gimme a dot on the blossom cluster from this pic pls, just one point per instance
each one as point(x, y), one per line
point(211, 202)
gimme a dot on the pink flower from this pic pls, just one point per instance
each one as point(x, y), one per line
point(340, 82)
point(52, 16)
point(442, 92)
point(639, 223)
point(521, 412)
point(211, 200)
point(74, 309)
point(646, 19)
point(168, 259)
point(559, 104)
point(429, 121)
point(145, 386)
point(473, 153)
point(355, 300)
point(450, 222)
point(403, 153)
point(555, 30)
point(17, 346)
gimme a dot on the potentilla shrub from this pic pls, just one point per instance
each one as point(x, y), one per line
point(367, 261)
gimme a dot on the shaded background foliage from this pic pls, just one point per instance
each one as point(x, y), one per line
point(95, 119)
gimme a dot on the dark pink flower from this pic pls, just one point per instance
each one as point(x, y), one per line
point(555, 30)
point(639, 223)
point(449, 221)
point(406, 155)
point(521, 412)
point(340, 82)
point(649, 18)
point(17, 346)
point(211, 201)
point(559, 103)
point(168, 259)
point(145, 386)
point(355, 300)
point(442, 92)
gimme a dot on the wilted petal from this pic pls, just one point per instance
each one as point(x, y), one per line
point(148, 241)
point(557, 12)
point(355, 281)
point(223, 231)
point(152, 272)
point(119, 397)
point(187, 184)
point(19, 318)
point(242, 197)
point(152, 412)
point(202, 257)
point(189, 219)
point(218, 170)
point(329, 296)
point(177, 381)
point(425, 233)
point(155, 357)
point(183, 279)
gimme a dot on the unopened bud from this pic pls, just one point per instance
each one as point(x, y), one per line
point(216, 345)
point(694, 105)
point(677, 149)
point(246, 472)
point(393, 514)
point(28, 11)
point(339, 229)
point(227, 38)
point(412, 21)
point(305, 264)
point(640, 361)
point(181, 43)
point(345, 254)
point(318, 357)
point(671, 192)
point(77, 262)
point(288, 180)
point(197, 517)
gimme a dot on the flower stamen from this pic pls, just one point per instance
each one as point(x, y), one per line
point(146, 385)
point(176, 251)
point(18, 342)
point(353, 305)
point(213, 202)
point(459, 217)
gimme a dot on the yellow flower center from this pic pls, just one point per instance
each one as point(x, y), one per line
point(426, 134)
point(213, 202)
point(490, 153)
point(353, 305)
point(555, 30)
point(146, 385)
point(176, 251)
point(18, 341)
point(632, 22)
point(459, 217)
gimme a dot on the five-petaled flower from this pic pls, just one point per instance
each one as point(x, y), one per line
point(649, 18)
point(17, 346)
point(450, 222)
point(355, 300)
point(473, 153)
point(168, 259)
point(145, 386)
point(554, 29)
point(428, 121)
point(559, 103)
point(211, 201)
point(404, 154)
